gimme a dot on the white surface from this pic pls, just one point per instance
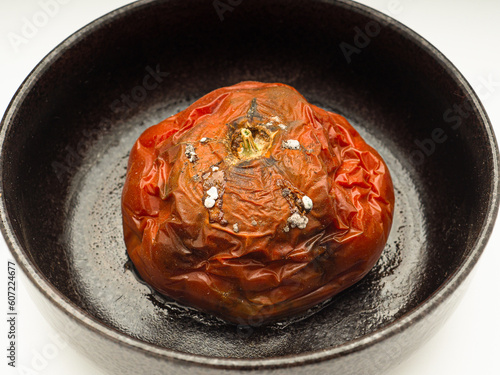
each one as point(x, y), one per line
point(467, 32)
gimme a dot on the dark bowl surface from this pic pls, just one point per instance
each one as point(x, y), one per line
point(65, 143)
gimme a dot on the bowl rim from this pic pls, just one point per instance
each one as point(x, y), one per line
point(93, 324)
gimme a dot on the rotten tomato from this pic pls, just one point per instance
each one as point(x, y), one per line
point(254, 205)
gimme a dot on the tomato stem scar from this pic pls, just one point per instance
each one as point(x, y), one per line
point(249, 146)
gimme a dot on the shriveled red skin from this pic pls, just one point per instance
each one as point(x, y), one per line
point(261, 273)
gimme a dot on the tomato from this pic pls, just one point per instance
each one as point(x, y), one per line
point(254, 205)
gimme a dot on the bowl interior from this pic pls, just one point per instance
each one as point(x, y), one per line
point(66, 150)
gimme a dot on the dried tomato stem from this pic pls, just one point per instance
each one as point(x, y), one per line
point(249, 146)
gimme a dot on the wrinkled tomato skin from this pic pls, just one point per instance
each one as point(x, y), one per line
point(263, 269)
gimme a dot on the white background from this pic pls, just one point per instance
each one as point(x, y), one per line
point(467, 32)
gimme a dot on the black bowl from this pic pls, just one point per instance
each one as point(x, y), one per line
point(65, 140)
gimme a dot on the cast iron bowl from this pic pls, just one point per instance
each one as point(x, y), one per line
point(65, 140)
